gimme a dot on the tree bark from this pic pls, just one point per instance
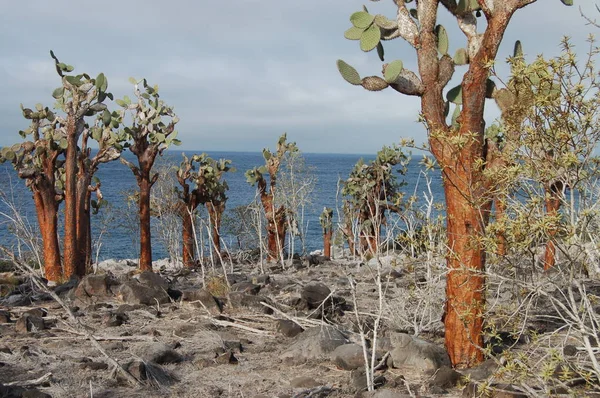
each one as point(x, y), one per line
point(47, 215)
point(145, 234)
point(70, 239)
point(465, 282)
point(84, 244)
point(215, 214)
point(189, 243)
point(327, 232)
point(553, 195)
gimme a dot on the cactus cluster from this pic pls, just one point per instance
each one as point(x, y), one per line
point(374, 186)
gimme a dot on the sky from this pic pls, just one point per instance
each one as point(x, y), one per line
point(239, 73)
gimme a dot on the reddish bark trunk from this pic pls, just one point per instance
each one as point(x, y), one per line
point(215, 214)
point(145, 234)
point(189, 243)
point(552, 205)
point(464, 188)
point(84, 245)
point(275, 227)
point(71, 252)
point(47, 215)
point(465, 296)
point(327, 242)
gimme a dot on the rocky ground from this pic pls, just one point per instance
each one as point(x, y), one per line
point(289, 331)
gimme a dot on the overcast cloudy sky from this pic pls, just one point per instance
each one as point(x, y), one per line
point(239, 72)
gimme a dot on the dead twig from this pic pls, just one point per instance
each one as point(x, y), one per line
point(242, 327)
point(32, 383)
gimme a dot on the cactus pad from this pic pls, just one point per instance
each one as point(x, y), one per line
point(441, 39)
point(348, 73)
point(455, 95)
point(361, 19)
point(374, 83)
point(370, 38)
point(461, 57)
point(392, 71)
point(353, 33)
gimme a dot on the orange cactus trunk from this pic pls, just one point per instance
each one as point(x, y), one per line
point(145, 234)
point(275, 227)
point(189, 243)
point(47, 215)
point(327, 242)
point(552, 205)
point(84, 240)
point(71, 251)
point(215, 213)
point(465, 296)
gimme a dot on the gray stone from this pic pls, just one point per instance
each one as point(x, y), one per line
point(313, 343)
point(417, 354)
point(482, 371)
point(4, 316)
point(97, 286)
point(151, 372)
point(289, 328)
point(315, 294)
point(159, 353)
point(203, 299)
point(133, 292)
point(348, 356)
point(246, 287)
point(239, 299)
point(236, 278)
point(153, 280)
point(29, 323)
point(112, 319)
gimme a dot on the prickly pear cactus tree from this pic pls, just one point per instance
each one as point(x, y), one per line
point(274, 214)
point(372, 190)
point(210, 190)
point(458, 143)
point(326, 221)
point(78, 97)
point(36, 160)
point(109, 140)
point(151, 132)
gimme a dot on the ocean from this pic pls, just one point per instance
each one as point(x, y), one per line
point(115, 224)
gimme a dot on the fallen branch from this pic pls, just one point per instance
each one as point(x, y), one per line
point(106, 338)
point(235, 325)
point(32, 383)
point(291, 318)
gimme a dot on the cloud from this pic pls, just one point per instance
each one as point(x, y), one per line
point(239, 73)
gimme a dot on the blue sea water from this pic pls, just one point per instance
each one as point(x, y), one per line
point(117, 178)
